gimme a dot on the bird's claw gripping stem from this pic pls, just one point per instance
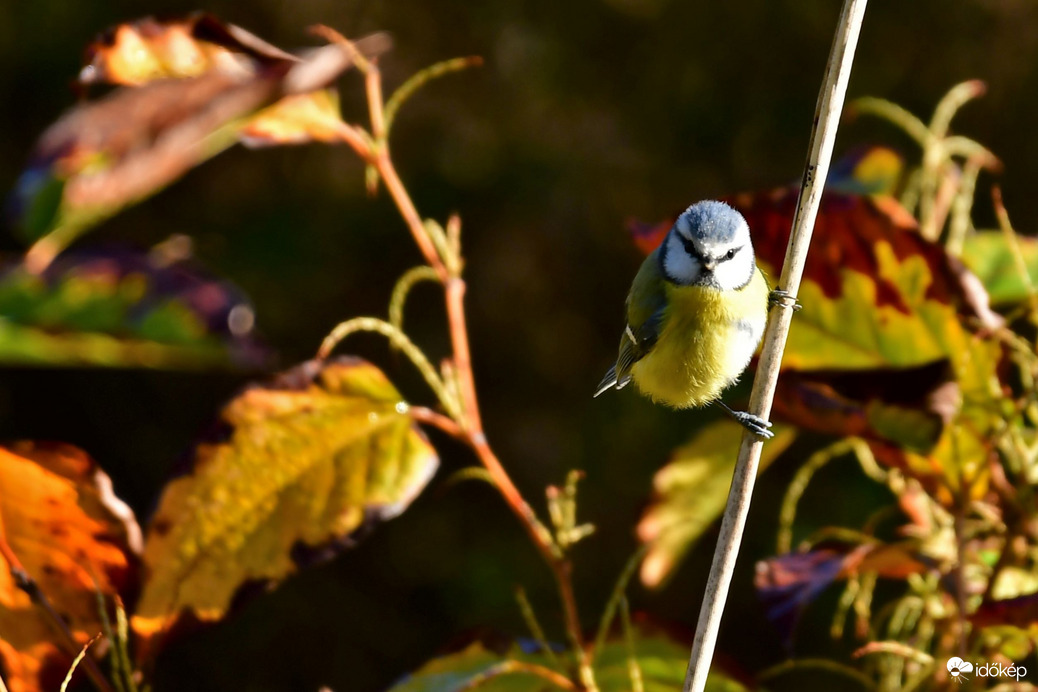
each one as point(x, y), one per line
point(755, 424)
point(780, 297)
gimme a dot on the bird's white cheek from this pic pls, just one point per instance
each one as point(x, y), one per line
point(679, 266)
point(732, 274)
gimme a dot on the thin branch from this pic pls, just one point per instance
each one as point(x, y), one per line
point(614, 599)
point(408, 211)
point(373, 87)
point(76, 661)
point(793, 665)
point(27, 584)
point(444, 423)
point(403, 288)
point(332, 36)
point(399, 340)
point(511, 667)
point(634, 670)
point(448, 270)
point(961, 223)
point(1013, 243)
point(893, 113)
point(358, 139)
point(533, 625)
point(894, 648)
point(958, 96)
point(823, 136)
point(420, 79)
point(797, 487)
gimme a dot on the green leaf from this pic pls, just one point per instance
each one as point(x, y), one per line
point(124, 309)
point(691, 491)
point(990, 258)
point(310, 459)
point(662, 662)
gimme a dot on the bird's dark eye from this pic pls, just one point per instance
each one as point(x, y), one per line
point(730, 254)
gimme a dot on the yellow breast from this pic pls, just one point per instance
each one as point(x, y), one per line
point(706, 341)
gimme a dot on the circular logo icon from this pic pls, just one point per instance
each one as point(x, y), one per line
point(957, 667)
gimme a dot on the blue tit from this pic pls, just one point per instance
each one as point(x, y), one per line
point(696, 313)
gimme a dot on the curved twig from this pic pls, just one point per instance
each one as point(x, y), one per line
point(614, 599)
point(511, 667)
point(400, 341)
point(420, 79)
point(403, 287)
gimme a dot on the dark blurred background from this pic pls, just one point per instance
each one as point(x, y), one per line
point(587, 113)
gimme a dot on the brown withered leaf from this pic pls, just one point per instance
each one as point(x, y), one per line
point(1021, 611)
point(188, 89)
point(909, 405)
point(308, 461)
point(787, 583)
point(74, 537)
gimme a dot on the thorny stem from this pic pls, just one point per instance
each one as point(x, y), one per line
point(466, 424)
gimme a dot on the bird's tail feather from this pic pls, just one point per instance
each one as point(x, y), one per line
point(608, 382)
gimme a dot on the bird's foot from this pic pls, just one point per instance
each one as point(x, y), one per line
point(780, 297)
point(755, 424)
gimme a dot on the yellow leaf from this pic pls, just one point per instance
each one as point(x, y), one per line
point(296, 120)
point(691, 491)
point(323, 451)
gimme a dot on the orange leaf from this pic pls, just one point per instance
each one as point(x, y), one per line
point(142, 51)
point(70, 533)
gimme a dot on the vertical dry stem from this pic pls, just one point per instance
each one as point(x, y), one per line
point(823, 135)
point(469, 426)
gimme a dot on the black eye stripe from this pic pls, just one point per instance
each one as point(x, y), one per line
point(690, 248)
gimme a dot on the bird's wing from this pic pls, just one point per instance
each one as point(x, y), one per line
point(646, 310)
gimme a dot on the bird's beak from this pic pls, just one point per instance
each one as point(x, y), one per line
point(709, 266)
